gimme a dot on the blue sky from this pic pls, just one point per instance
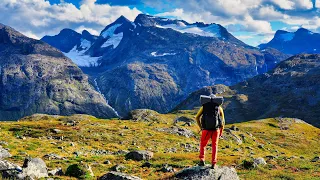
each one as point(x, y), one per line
point(252, 21)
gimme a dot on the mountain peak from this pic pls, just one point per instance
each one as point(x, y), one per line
point(303, 31)
point(121, 20)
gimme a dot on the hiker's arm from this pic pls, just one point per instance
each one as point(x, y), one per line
point(198, 117)
point(223, 120)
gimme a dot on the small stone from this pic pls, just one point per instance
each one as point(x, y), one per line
point(56, 131)
point(107, 162)
point(56, 172)
point(259, 161)
point(166, 168)
point(315, 159)
point(260, 146)
point(147, 164)
point(118, 175)
point(234, 128)
point(118, 168)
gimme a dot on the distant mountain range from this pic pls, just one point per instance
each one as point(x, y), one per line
point(290, 90)
point(37, 78)
point(301, 41)
point(156, 62)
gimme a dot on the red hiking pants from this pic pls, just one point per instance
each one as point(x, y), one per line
point(205, 137)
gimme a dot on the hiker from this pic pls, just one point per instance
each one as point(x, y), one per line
point(211, 124)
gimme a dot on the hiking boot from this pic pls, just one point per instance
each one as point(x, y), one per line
point(201, 163)
point(213, 166)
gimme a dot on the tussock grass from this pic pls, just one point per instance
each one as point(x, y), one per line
point(89, 135)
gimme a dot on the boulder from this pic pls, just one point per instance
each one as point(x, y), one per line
point(315, 159)
point(178, 131)
point(139, 155)
point(34, 168)
point(118, 176)
point(206, 173)
point(259, 161)
point(52, 156)
point(9, 170)
point(56, 172)
point(4, 153)
point(118, 168)
point(80, 171)
point(183, 119)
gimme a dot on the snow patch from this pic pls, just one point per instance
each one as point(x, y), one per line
point(85, 44)
point(114, 40)
point(134, 25)
point(212, 30)
point(110, 31)
point(154, 54)
point(287, 36)
point(80, 59)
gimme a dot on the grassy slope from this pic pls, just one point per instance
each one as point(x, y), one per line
point(91, 133)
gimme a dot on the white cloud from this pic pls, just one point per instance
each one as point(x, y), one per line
point(90, 30)
point(38, 17)
point(284, 4)
point(269, 13)
point(257, 25)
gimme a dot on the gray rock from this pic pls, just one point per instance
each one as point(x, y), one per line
point(107, 162)
point(166, 168)
point(178, 131)
point(234, 128)
point(52, 156)
point(147, 164)
point(139, 155)
point(315, 159)
point(34, 168)
point(118, 168)
point(206, 173)
point(56, 131)
point(56, 172)
point(4, 153)
point(183, 119)
point(259, 161)
point(118, 176)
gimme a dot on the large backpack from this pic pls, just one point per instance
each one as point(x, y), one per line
point(211, 119)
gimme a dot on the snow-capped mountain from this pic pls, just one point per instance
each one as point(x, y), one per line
point(156, 62)
point(301, 41)
point(74, 46)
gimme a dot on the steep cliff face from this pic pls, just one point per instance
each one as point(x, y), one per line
point(37, 78)
point(290, 90)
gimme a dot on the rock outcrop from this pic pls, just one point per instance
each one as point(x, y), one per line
point(139, 155)
point(37, 78)
point(206, 173)
point(118, 176)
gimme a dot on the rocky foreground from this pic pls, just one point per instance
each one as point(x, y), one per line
point(155, 146)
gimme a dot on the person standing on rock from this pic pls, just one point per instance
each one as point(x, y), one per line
point(211, 124)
